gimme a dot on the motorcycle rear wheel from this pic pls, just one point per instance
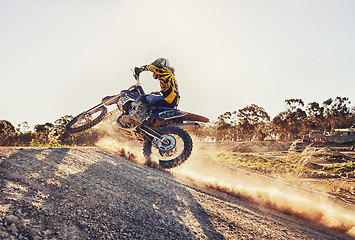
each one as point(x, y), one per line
point(86, 120)
point(170, 157)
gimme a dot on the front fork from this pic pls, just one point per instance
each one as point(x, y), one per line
point(158, 139)
point(150, 132)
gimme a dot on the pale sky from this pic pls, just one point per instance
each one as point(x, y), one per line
point(61, 57)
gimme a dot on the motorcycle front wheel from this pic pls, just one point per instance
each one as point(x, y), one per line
point(86, 119)
point(175, 148)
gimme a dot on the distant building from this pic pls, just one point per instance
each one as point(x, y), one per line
point(343, 135)
point(338, 135)
point(317, 135)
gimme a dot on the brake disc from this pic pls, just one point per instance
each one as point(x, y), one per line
point(166, 143)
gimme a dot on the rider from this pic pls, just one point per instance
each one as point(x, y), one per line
point(167, 97)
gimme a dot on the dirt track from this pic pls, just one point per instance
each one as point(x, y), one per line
point(90, 193)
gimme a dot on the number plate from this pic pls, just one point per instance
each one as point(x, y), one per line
point(124, 98)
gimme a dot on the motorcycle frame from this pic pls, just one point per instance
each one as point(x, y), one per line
point(135, 132)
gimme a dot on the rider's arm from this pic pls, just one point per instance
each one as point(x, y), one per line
point(167, 81)
point(138, 70)
point(151, 68)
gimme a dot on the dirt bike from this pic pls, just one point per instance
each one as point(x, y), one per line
point(163, 132)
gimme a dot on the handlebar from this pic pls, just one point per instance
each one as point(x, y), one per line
point(136, 76)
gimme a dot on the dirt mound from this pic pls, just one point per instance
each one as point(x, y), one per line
point(313, 156)
point(257, 147)
point(298, 146)
point(90, 193)
point(325, 153)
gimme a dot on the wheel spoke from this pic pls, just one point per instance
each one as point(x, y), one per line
point(86, 120)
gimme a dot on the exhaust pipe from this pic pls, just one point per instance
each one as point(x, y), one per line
point(188, 126)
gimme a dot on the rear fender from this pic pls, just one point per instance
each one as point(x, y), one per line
point(171, 113)
point(194, 117)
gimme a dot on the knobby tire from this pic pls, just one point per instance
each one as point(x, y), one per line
point(185, 154)
point(87, 125)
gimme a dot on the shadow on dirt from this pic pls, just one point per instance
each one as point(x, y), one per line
point(89, 193)
point(83, 193)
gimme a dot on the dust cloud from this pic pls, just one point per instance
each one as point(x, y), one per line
point(114, 141)
point(203, 171)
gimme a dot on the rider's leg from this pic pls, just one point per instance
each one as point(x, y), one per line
point(157, 101)
point(137, 115)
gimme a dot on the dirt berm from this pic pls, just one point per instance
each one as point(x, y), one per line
point(90, 193)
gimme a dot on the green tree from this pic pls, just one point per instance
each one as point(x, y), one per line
point(294, 103)
point(292, 123)
point(59, 133)
point(280, 126)
point(225, 129)
point(42, 132)
point(337, 113)
point(7, 133)
point(252, 121)
point(23, 127)
point(316, 117)
point(352, 117)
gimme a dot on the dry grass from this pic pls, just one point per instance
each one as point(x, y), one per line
point(317, 168)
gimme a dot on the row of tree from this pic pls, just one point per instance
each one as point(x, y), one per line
point(297, 121)
point(48, 134)
point(249, 123)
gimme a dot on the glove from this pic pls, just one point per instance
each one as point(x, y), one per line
point(137, 70)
